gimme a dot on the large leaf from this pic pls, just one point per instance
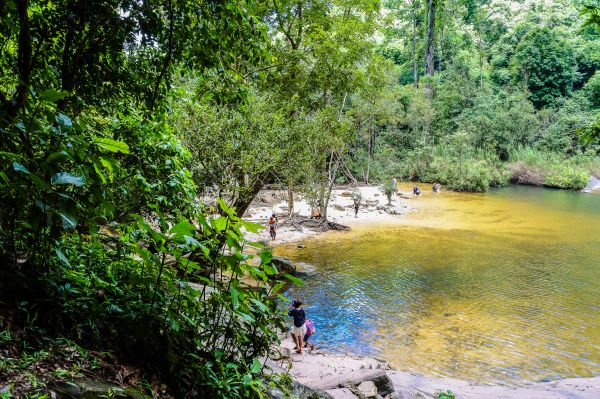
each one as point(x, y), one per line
point(61, 256)
point(294, 280)
point(184, 228)
point(64, 121)
point(67, 178)
point(68, 221)
point(20, 168)
point(112, 145)
point(53, 95)
point(219, 224)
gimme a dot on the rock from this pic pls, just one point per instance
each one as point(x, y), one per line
point(378, 377)
point(368, 389)
point(346, 194)
point(403, 394)
point(339, 207)
point(384, 384)
point(592, 185)
point(305, 392)
point(283, 265)
point(93, 390)
point(301, 246)
point(341, 393)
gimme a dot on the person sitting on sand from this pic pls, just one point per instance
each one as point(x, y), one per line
point(416, 191)
point(299, 329)
point(273, 227)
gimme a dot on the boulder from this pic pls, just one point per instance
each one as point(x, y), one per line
point(592, 185)
point(299, 391)
point(92, 390)
point(368, 389)
point(378, 377)
point(346, 194)
point(283, 265)
point(339, 207)
point(341, 393)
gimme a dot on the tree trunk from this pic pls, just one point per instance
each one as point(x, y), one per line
point(414, 51)
point(331, 175)
point(430, 48)
point(246, 196)
point(290, 193)
point(369, 157)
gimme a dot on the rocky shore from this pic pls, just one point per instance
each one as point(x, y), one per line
point(322, 375)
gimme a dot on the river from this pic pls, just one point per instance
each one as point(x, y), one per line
point(500, 287)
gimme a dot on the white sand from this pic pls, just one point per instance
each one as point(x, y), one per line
point(340, 210)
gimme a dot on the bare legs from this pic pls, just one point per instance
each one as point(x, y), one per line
point(298, 342)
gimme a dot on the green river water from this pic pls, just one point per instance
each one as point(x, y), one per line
point(501, 287)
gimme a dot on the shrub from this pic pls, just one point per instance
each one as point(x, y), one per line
point(536, 167)
point(473, 171)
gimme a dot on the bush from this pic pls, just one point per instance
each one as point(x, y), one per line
point(473, 171)
point(536, 167)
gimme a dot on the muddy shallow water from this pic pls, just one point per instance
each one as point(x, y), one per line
point(501, 287)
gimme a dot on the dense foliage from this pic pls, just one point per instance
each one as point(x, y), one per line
point(101, 236)
point(133, 131)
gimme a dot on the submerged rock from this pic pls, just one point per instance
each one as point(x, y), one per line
point(283, 265)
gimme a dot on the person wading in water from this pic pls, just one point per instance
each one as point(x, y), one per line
point(299, 330)
point(273, 227)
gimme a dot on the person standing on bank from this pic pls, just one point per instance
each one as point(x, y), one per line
point(299, 330)
point(356, 204)
point(273, 227)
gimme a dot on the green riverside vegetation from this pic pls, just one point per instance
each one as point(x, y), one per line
point(136, 133)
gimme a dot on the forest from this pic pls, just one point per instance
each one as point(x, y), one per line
point(136, 133)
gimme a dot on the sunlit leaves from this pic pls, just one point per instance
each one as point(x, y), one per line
point(111, 145)
point(67, 178)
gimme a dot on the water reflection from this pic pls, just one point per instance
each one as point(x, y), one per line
point(496, 287)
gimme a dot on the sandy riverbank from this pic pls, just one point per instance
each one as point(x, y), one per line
point(373, 209)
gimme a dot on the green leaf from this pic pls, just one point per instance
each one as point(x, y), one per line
point(67, 178)
point(256, 366)
point(266, 257)
point(20, 168)
point(235, 294)
point(53, 95)
point(219, 224)
point(111, 145)
point(294, 280)
point(68, 221)
point(252, 227)
point(184, 228)
point(64, 121)
point(57, 156)
point(98, 169)
point(260, 305)
point(61, 256)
